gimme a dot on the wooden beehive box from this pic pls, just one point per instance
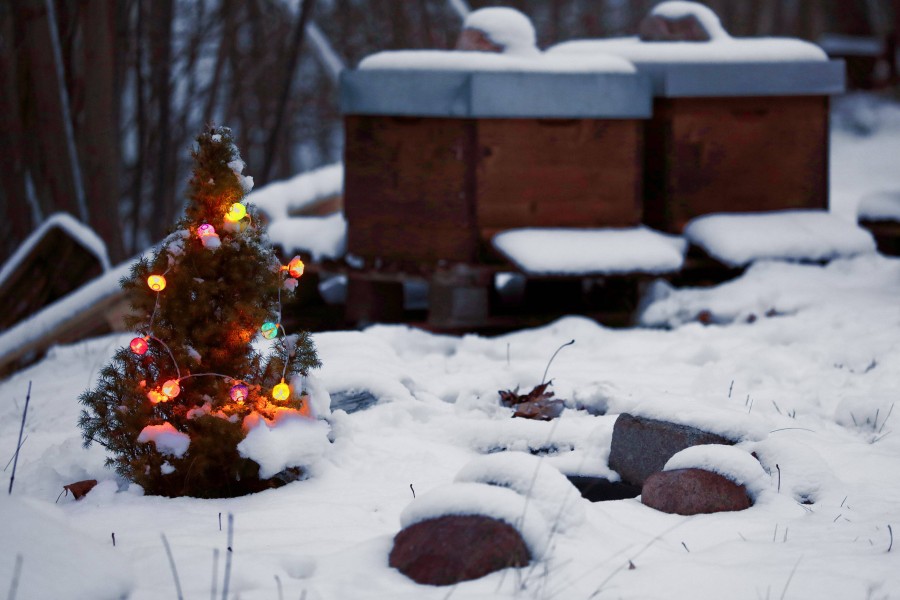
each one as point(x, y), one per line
point(737, 138)
point(436, 162)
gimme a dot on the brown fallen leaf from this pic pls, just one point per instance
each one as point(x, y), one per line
point(80, 488)
point(537, 404)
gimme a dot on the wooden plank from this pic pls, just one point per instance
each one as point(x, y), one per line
point(710, 155)
point(409, 188)
point(558, 173)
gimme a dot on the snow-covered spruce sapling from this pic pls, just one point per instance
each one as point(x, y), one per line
point(171, 409)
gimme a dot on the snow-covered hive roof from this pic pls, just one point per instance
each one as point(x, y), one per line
point(466, 84)
point(722, 66)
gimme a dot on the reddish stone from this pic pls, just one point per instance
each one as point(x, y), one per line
point(454, 548)
point(693, 492)
point(641, 447)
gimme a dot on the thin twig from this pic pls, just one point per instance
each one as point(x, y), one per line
point(730, 387)
point(215, 577)
point(413, 491)
point(779, 477)
point(19, 444)
point(17, 570)
point(886, 418)
point(228, 554)
point(280, 591)
point(544, 378)
point(172, 566)
point(891, 532)
point(14, 454)
point(791, 576)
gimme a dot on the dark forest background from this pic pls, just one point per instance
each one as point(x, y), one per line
point(100, 99)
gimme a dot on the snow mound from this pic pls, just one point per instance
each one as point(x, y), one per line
point(486, 500)
point(321, 237)
point(730, 462)
point(796, 235)
point(442, 60)
point(803, 473)
point(505, 27)
point(553, 494)
point(168, 440)
point(291, 440)
point(880, 206)
point(868, 413)
point(56, 560)
point(679, 9)
point(594, 251)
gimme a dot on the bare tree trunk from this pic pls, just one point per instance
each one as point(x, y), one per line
point(297, 41)
point(137, 189)
point(99, 131)
point(161, 16)
point(40, 99)
point(15, 223)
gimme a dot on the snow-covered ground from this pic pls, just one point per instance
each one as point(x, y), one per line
point(807, 358)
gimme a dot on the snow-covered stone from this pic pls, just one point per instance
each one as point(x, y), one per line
point(533, 478)
point(730, 462)
point(485, 500)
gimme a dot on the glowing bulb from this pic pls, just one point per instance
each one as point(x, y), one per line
point(281, 391)
point(295, 267)
point(157, 283)
point(239, 392)
point(236, 212)
point(155, 397)
point(139, 345)
point(206, 230)
point(171, 388)
point(269, 330)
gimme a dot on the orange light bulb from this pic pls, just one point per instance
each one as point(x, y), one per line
point(295, 267)
point(171, 388)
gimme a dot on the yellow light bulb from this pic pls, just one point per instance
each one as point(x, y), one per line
point(281, 391)
point(236, 212)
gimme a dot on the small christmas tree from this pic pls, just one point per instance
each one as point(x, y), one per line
point(173, 407)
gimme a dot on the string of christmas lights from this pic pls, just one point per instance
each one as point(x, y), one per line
point(239, 218)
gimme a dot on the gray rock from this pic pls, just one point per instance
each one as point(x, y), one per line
point(641, 447)
point(352, 401)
